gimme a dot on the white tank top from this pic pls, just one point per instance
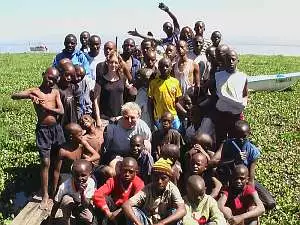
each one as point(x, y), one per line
point(185, 75)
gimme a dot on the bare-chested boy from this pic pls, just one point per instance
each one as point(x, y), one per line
point(49, 133)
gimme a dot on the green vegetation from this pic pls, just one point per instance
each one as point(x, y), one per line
point(274, 119)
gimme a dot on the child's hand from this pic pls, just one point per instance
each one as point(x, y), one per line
point(35, 99)
point(82, 187)
point(199, 149)
point(163, 7)
point(86, 157)
point(235, 220)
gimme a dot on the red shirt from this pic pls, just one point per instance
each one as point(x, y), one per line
point(115, 189)
point(239, 204)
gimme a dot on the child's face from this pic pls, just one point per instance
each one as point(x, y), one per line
point(84, 37)
point(187, 103)
point(70, 44)
point(166, 122)
point(150, 60)
point(160, 181)
point(231, 60)
point(216, 38)
point(186, 34)
point(95, 44)
point(164, 67)
point(80, 176)
point(171, 52)
point(86, 122)
point(79, 75)
point(50, 79)
point(199, 28)
point(128, 173)
point(182, 48)
point(198, 164)
point(198, 43)
point(239, 180)
point(76, 135)
point(136, 146)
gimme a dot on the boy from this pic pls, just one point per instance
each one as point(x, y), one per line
point(201, 208)
point(84, 40)
point(171, 53)
point(75, 194)
point(159, 202)
point(117, 190)
point(164, 92)
point(82, 92)
point(239, 202)
point(215, 38)
point(142, 156)
point(165, 135)
point(49, 133)
point(75, 148)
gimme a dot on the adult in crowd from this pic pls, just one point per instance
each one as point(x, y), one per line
point(84, 40)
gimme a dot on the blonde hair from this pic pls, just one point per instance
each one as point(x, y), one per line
point(131, 106)
point(112, 54)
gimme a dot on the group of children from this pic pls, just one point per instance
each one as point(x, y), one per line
point(200, 167)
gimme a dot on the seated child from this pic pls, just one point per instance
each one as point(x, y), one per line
point(49, 133)
point(165, 135)
point(82, 92)
point(239, 150)
point(117, 190)
point(199, 166)
point(172, 152)
point(239, 202)
point(76, 148)
point(75, 194)
point(201, 208)
point(142, 156)
point(158, 202)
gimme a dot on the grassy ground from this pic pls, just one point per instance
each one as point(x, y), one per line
point(273, 116)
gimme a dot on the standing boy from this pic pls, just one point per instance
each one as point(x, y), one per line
point(49, 133)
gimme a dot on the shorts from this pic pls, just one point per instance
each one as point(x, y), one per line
point(48, 137)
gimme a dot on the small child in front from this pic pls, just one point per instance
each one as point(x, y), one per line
point(239, 202)
point(49, 133)
point(201, 208)
point(75, 194)
point(117, 190)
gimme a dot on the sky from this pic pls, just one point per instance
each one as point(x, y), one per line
point(251, 21)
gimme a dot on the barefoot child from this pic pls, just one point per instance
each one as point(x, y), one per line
point(239, 202)
point(49, 134)
point(117, 190)
point(201, 208)
point(75, 194)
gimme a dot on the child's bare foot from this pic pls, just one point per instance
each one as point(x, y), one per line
point(44, 202)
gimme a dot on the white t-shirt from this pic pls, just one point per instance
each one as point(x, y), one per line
point(67, 188)
point(230, 89)
point(93, 61)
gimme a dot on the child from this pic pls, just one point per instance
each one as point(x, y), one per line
point(171, 53)
point(82, 92)
point(215, 38)
point(143, 157)
point(201, 208)
point(187, 35)
point(159, 201)
point(239, 202)
point(49, 133)
point(117, 190)
point(239, 150)
point(75, 148)
point(75, 194)
point(67, 90)
point(199, 166)
point(165, 135)
point(84, 40)
point(164, 92)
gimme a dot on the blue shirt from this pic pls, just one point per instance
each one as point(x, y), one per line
point(77, 58)
point(232, 151)
point(173, 39)
point(136, 65)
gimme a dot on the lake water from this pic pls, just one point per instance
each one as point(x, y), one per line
point(257, 49)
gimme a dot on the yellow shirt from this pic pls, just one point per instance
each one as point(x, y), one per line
point(164, 94)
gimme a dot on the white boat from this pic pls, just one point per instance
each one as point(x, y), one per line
point(277, 82)
point(39, 48)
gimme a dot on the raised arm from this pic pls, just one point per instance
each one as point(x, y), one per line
point(165, 8)
point(135, 33)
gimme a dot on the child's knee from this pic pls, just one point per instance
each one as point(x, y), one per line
point(45, 162)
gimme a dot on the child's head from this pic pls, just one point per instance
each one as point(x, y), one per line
point(128, 47)
point(67, 72)
point(187, 102)
point(198, 42)
point(186, 33)
point(241, 129)
point(128, 169)
point(94, 44)
point(150, 59)
point(70, 43)
point(166, 121)
point(75, 131)
point(79, 74)
point(50, 77)
point(195, 188)
point(171, 51)
point(108, 47)
point(221, 51)
point(81, 171)
point(142, 77)
point(161, 174)
point(84, 38)
point(147, 45)
point(211, 54)
point(198, 164)
point(168, 28)
point(182, 48)
point(216, 37)
point(203, 139)
point(86, 122)
point(199, 28)
point(170, 151)
point(164, 67)
point(136, 145)
point(239, 178)
point(231, 61)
